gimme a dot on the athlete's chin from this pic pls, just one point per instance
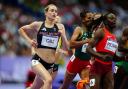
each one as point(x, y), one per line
point(51, 19)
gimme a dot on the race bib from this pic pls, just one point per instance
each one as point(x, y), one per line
point(72, 58)
point(84, 48)
point(115, 69)
point(111, 46)
point(92, 82)
point(50, 41)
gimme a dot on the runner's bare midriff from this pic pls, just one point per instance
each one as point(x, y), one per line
point(47, 55)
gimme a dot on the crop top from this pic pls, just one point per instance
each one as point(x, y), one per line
point(108, 43)
point(48, 37)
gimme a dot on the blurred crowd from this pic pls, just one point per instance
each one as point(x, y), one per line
point(12, 17)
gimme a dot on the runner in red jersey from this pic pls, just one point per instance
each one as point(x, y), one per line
point(101, 75)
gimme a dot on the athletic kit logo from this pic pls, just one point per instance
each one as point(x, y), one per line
point(43, 29)
point(35, 62)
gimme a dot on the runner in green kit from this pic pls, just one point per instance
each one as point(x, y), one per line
point(121, 77)
point(80, 52)
point(80, 60)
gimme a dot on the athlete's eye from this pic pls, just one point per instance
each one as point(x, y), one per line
point(53, 10)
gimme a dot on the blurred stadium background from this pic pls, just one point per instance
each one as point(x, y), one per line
point(15, 53)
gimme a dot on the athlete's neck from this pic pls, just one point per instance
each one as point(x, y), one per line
point(109, 29)
point(49, 23)
point(84, 28)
